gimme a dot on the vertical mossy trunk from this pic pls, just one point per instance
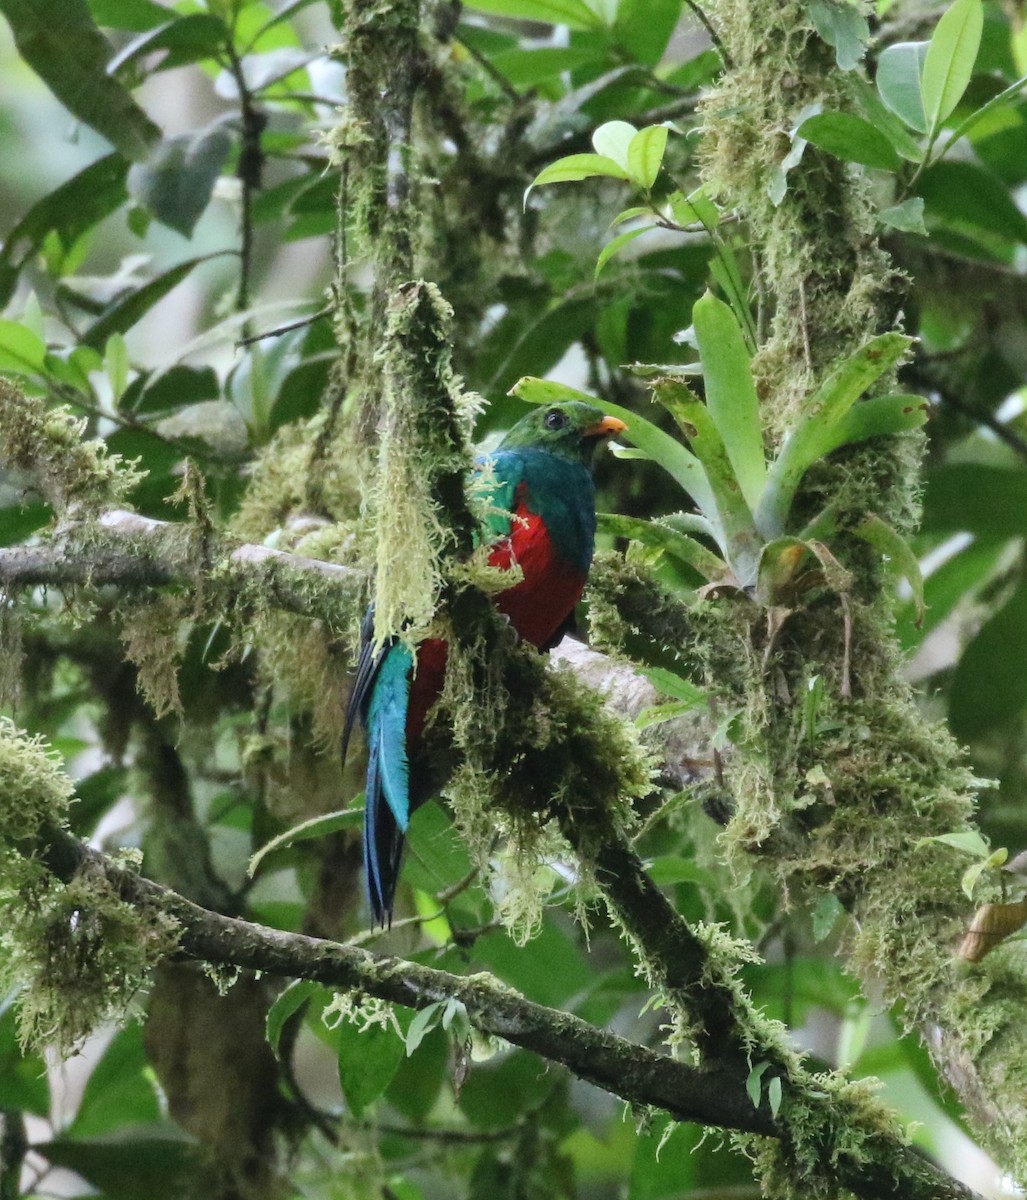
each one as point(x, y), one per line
point(843, 805)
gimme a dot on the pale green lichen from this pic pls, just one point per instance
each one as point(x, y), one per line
point(34, 791)
point(74, 475)
point(421, 512)
point(278, 504)
point(77, 952)
point(154, 632)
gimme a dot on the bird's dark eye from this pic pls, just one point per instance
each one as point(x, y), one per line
point(556, 418)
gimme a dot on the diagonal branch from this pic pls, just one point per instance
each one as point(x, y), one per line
point(714, 1094)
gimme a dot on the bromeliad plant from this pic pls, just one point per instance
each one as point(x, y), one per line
point(745, 499)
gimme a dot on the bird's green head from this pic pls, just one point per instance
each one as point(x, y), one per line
point(570, 429)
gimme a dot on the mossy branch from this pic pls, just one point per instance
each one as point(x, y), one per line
point(73, 476)
point(713, 1094)
point(129, 551)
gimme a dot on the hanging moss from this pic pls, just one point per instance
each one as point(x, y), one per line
point(421, 512)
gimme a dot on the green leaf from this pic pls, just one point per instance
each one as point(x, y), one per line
point(989, 687)
point(496, 1095)
point(290, 1001)
point(950, 60)
point(68, 212)
point(851, 138)
point(868, 100)
point(996, 102)
point(898, 82)
point(368, 1059)
point(974, 872)
point(573, 13)
point(631, 214)
point(613, 139)
point(529, 68)
point(672, 684)
point(774, 1095)
point(184, 39)
point(120, 1090)
point(727, 273)
point(957, 579)
point(780, 561)
point(966, 195)
point(645, 27)
point(575, 167)
point(976, 497)
point(778, 185)
point(827, 425)
point(645, 155)
point(878, 417)
point(827, 912)
point(134, 15)
point(670, 869)
point(20, 349)
point(136, 1163)
point(315, 827)
point(616, 244)
point(23, 1077)
point(894, 546)
point(730, 514)
point(731, 393)
point(122, 314)
point(71, 56)
point(423, 1020)
point(659, 446)
point(116, 365)
point(967, 840)
point(694, 209)
point(754, 1085)
point(176, 182)
point(907, 216)
point(671, 541)
point(843, 26)
point(659, 714)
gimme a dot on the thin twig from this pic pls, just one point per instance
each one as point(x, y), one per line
point(707, 24)
point(277, 332)
point(490, 69)
point(846, 683)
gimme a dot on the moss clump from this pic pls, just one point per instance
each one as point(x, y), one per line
point(77, 951)
point(815, 241)
point(278, 504)
point(154, 632)
point(34, 791)
point(540, 753)
point(73, 475)
point(843, 1126)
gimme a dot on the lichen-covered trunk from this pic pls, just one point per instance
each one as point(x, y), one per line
point(843, 805)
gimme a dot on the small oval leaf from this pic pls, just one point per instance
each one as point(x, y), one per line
point(950, 60)
point(898, 81)
point(645, 155)
point(851, 138)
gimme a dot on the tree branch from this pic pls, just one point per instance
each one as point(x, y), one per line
point(132, 551)
point(713, 1094)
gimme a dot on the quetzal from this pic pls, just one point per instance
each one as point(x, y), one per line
point(545, 524)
